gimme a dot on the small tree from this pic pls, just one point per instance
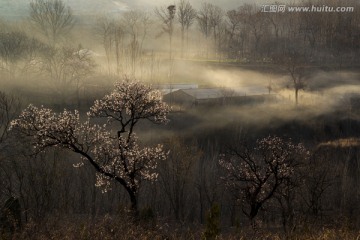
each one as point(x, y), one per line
point(295, 67)
point(294, 63)
point(258, 173)
point(115, 155)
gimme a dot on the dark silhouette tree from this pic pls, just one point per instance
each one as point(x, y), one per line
point(256, 174)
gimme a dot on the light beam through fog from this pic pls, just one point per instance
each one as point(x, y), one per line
point(184, 120)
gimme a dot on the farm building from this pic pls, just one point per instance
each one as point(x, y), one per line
point(188, 97)
point(172, 87)
point(215, 96)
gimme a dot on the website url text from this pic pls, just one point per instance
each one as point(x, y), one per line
point(313, 8)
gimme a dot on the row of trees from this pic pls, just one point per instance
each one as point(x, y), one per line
point(245, 32)
point(248, 33)
point(65, 67)
point(295, 42)
point(271, 179)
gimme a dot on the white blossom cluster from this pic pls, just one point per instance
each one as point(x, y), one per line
point(115, 155)
point(58, 129)
point(260, 171)
point(131, 101)
point(128, 161)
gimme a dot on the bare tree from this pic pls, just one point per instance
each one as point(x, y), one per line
point(320, 176)
point(176, 174)
point(186, 16)
point(118, 41)
point(105, 28)
point(295, 64)
point(9, 109)
point(216, 20)
point(209, 19)
point(136, 25)
point(238, 32)
point(207, 183)
point(203, 19)
point(234, 19)
point(80, 65)
point(167, 16)
point(115, 155)
point(12, 46)
point(18, 52)
point(67, 67)
point(258, 25)
point(53, 18)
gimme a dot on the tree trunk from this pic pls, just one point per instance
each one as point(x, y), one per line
point(182, 42)
point(296, 96)
point(134, 203)
point(254, 210)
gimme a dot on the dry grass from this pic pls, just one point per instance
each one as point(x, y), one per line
point(121, 227)
point(342, 143)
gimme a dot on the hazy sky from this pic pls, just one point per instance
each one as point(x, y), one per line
point(150, 4)
point(20, 7)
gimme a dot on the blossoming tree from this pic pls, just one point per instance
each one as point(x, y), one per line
point(115, 154)
point(259, 173)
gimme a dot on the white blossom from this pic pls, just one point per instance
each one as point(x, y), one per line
point(116, 155)
point(260, 171)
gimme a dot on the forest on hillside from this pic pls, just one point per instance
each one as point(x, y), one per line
point(181, 122)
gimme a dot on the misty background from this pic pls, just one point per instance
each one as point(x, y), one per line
point(240, 83)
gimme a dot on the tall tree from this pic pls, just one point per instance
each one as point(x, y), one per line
point(115, 154)
point(238, 32)
point(9, 109)
point(216, 19)
point(53, 18)
point(167, 16)
point(176, 174)
point(209, 18)
point(104, 29)
point(257, 24)
point(203, 19)
point(136, 25)
point(186, 16)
